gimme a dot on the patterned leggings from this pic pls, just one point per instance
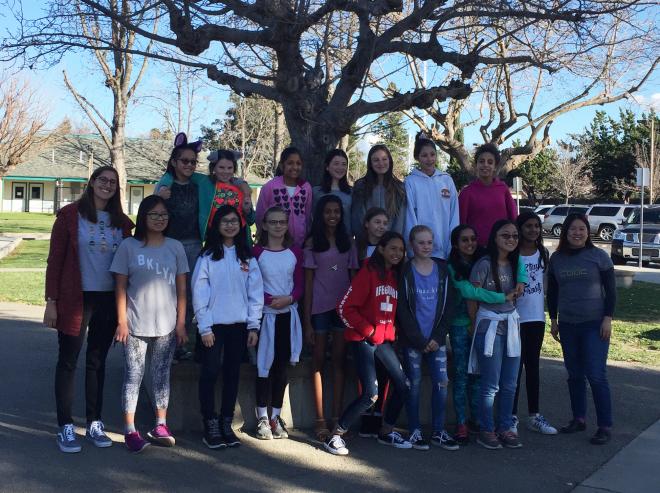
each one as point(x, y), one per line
point(159, 352)
point(465, 387)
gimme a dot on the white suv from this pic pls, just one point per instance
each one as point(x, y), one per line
point(604, 219)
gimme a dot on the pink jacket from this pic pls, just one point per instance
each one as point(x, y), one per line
point(481, 206)
point(299, 207)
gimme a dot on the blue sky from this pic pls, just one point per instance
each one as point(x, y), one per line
point(212, 101)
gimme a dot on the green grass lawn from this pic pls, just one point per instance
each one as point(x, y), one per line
point(635, 330)
point(23, 287)
point(30, 253)
point(26, 222)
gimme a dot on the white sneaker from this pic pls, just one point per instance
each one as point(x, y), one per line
point(336, 445)
point(514, 424)
point(540, 425)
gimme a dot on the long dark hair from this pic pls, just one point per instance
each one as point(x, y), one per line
point(319, 240)
point(213, 244)
point(87, 208)
point(141, 222)
point(377, 261)
point(493, 253)
point(262, 238)
point(216, 156)
point(563, 246)
point(421, 141)
point(285, 154)
point(326, 180)
point(462, 267)
point(531, 216)
point(395, 194)
point(362, 237)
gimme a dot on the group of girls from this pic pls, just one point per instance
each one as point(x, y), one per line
point(358, 294)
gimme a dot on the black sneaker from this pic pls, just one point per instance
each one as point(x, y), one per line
point(574, 426)
point(444, 440)
point(394, 439)
point(417, 441)
point(228, 434)
point(212, 436)
point(601, 437)
point(278, 427)
point(369, 426)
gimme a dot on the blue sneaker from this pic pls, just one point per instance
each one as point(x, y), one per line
point(97, 436)
point(67, 441)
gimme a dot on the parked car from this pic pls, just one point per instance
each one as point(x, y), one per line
point(554, 218)
point(625, 241)
point(542, 209)
point(604, 219)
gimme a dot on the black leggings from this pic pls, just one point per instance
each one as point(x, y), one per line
point(277, 380)
point(531, 340)
point(228, 350)
point(100, 315)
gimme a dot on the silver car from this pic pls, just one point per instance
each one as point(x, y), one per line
point(555, 217)
point(604, 219)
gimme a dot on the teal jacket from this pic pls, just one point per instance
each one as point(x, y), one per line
point(466, 290)
point(205, 192)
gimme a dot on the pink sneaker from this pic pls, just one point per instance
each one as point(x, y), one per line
point(134, 442)
point(161, 435)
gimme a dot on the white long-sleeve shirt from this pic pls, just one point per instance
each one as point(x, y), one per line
point(227, 291)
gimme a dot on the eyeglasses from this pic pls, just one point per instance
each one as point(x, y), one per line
point(275, 222)
point(155, 216)
point(106, 181)
point(188, 162)
point(508, 237)
point(230, 222)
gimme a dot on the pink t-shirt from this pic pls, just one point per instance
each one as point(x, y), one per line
point(331, 276)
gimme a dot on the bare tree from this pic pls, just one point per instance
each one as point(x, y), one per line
point(282, 50)
point(572, 176)
point(22, 117)
point(117, 66)
point(523, 102)
point(179, 99)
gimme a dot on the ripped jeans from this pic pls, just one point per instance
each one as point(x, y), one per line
point(437, 363)
point(365, 354)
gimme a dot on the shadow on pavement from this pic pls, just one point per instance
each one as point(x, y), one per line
point(31, 461)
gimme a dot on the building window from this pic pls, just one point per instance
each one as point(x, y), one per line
point(35, 193)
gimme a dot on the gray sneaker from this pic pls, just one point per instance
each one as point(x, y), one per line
point(97, 436)
point(67, 441)
point(263, 429)
point(278, 427)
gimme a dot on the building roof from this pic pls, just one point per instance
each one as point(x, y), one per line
point(70, 156)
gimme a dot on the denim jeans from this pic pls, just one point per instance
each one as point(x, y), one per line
point(465, 387)
point(585, 355)
point(499, 375)
point(365, 355)
point(437, 363)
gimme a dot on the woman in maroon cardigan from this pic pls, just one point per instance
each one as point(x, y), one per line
point(80, 298)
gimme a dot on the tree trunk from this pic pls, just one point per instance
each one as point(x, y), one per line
point(118, 134)
point(278, 143)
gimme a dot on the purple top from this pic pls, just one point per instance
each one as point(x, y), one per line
point(331, 276)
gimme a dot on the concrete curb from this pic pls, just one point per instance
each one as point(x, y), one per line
point(8, 245)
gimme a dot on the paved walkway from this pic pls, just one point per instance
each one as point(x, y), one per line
point(635, 469)
point(31, 461)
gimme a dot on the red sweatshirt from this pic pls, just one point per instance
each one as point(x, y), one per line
point(370, 303)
